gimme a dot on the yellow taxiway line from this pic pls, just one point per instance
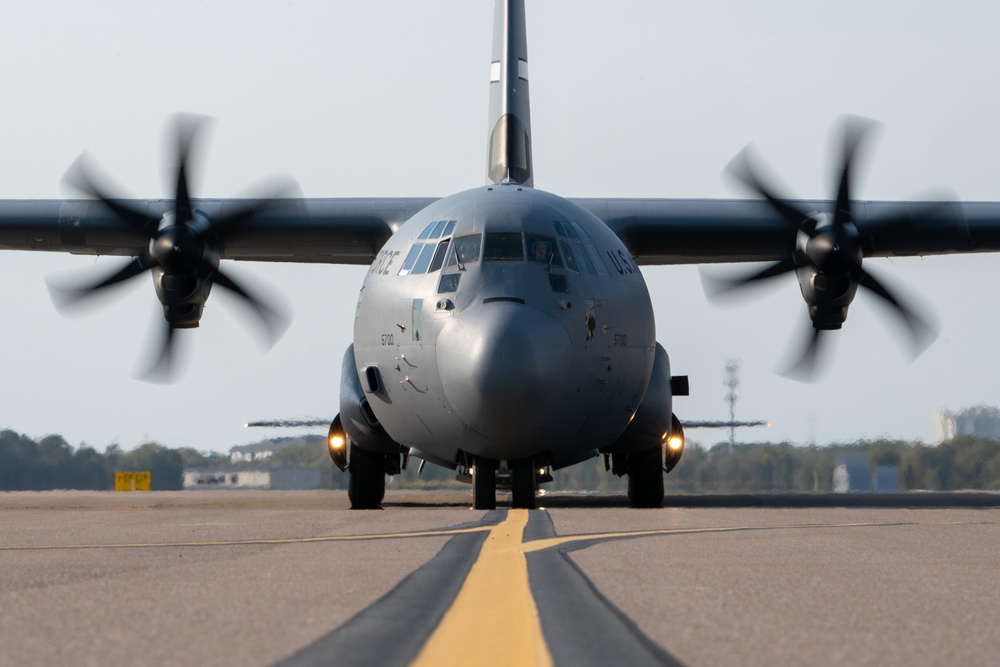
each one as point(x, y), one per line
point(493, 620)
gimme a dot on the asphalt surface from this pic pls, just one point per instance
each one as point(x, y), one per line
point(294, 578)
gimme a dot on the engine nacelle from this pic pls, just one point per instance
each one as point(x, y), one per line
point(830, 255)
point(185, 265)
point(357, 419)
point(828, 297)
point(183, 296)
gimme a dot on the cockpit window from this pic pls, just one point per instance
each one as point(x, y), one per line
point(465, 249)
point(437, 229)
point(503, 247)
point(570, 230)
point(424, 260)
point(411, 258)
point(428, 257)
point(438, 260)
point(595, 258)
point(449, 283)
point(542, 249)
point(567, 251)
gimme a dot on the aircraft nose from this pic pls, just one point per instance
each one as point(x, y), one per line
point(503, 365)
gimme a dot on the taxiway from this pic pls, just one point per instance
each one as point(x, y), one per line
point(294, 578)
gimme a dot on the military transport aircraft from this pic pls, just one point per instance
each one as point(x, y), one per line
point(503, 331)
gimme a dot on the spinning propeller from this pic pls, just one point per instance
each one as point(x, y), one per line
point(827, 254)
point(182, 252)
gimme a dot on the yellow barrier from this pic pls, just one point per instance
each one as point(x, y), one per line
point(132, 481)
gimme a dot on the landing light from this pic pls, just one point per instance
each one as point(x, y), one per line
point(336, 442)
point(675, 442)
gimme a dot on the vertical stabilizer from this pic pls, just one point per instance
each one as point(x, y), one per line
point(510, 111)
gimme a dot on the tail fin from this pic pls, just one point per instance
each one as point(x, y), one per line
point(510, 110)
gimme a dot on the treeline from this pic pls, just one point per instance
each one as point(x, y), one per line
point(963, 463)
point(52, 463)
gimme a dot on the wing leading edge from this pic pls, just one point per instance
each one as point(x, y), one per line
point(656, 231)
point(332, 231)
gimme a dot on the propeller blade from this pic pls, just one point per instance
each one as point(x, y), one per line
point(187, 127)
point(273, 321)
point(85, 178)
point(922, 332)
point(162, 370)
point(273, 196)
point(805, 368)
point(65, 296)
point(719, 286)
point(854, 130)
point(742, 168)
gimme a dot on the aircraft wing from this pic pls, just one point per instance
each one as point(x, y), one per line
point(656, 231)
point(696, 231)
point(333, 231)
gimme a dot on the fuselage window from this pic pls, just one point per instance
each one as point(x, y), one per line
point(418, 316)
point(560, 230)
point(426, 234)
point(449, 228)
point(503, 247)
point(542, 249)
point(449, 283)
point(465, 249)
point(439, 256)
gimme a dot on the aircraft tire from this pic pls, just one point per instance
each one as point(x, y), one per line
point(484, 484)
point(645, 478)
point(366, 479)
point(524, 484)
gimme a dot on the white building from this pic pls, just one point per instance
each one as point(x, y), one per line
point(981, 421)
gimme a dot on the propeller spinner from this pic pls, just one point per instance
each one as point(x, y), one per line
point(183, 250)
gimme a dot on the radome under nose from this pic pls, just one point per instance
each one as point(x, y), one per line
point(503, 365)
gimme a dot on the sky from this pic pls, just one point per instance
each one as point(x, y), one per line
point(636, 99)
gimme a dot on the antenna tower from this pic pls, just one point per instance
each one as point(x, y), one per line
point(733, 382)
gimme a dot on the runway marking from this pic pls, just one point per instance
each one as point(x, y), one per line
point(230, 543)
point(528, 547)
point(494, 618)
point(552, 542)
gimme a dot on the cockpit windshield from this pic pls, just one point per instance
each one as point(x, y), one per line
point(503, 247)
point(465, 249)
point(542, 249)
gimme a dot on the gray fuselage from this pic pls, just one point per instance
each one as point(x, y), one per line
point(504, 322)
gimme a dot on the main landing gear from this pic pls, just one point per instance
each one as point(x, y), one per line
point(645, 478)
point(366, 483)
point(523, 483)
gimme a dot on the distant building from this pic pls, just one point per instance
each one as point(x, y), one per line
point(853, 475)
point(284, 480)
point(981, 421)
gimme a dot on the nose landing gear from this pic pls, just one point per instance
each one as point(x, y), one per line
point(520, 476)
